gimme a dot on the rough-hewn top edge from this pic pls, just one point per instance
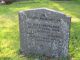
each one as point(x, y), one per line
point(44, 9)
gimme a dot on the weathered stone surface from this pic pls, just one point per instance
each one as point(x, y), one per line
point(44, 32)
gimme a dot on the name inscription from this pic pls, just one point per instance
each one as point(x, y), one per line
point(43, 17)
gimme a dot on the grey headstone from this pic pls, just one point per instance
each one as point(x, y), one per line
point(44, 32)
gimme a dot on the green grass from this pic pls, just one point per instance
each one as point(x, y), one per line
point(9, 27)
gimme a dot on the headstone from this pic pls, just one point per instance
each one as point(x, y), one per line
point(44, 32)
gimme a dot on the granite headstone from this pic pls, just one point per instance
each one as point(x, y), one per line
point(44, 32)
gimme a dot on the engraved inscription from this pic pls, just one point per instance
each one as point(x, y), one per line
point(43, 32)
point(42, 17)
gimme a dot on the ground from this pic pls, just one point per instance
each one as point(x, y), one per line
point(9, 27)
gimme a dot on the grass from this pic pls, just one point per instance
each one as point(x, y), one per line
point(9, 27)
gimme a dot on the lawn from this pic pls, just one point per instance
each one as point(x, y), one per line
point(9, 27)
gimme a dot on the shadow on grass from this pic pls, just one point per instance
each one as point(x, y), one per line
point(67, 7)
point(5, 58)
point(70, 8)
